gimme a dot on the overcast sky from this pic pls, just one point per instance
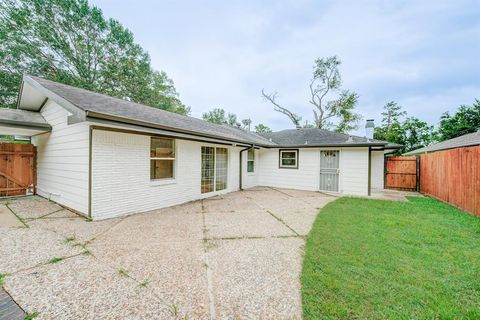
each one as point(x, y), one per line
point(423, 54)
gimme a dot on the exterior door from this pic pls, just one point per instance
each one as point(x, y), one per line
point(214, 169)
point(329, 170)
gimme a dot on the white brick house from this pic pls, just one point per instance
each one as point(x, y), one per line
point(105, 157)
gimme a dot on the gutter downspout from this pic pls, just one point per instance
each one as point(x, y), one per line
point(240, 165)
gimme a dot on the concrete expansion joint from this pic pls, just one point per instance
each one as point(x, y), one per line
point(208, 270)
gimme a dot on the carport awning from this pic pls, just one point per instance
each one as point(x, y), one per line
point(22, 123)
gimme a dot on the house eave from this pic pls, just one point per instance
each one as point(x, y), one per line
point(326, 145)
point(103, 124)
point(95, 116)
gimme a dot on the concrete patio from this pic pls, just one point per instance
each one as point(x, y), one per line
point(231, 257)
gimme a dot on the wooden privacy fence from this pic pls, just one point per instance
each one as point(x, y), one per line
point(453, 176)
point(17, 169)
point(401, 173)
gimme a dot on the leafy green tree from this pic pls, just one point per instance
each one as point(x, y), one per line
point(261, 128)
point(410, 132)
point(415, 134)
point(465, 120)
point(219, 116)
point(71, 42)
point(391, 126)
point(327, 110)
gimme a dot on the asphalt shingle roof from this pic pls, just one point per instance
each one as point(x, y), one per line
point(470, 139)
point(100, 105)
point(106, 105)
point(314, 136)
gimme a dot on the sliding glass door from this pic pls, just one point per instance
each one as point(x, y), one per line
point(214, 169)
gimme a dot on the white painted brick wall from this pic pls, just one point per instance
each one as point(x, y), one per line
point(353, 170)
point(306, 177)
point(62, 160)
point(121, 175)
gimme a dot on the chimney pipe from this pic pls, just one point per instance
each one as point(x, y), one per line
point(369, 128)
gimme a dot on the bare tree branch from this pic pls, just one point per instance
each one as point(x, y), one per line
point(271, 97)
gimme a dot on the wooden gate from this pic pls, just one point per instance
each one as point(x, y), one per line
point(17, 169)
point(401, 173)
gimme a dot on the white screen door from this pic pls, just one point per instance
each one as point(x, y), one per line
point(329, 170)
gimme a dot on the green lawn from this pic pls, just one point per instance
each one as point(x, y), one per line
point(375, 259)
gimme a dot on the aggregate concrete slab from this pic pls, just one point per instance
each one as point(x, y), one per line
point(173, 270)
point(8, 219)
point(228, 203)
point(232, 256)
point(257, 278)
point(156, 226)
point(237, 224)
point(31, 207)
point(23, 248)
point(83, 288)
point(79, 228)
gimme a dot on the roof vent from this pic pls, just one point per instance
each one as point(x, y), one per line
point(350, 139)
point(306, 142)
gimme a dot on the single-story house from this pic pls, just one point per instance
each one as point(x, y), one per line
point(106, 157)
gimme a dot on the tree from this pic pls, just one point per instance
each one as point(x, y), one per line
point(416, 134)
point(71, 42)
point(410, 132)
point(326, 81)
point(391, 125)
point(465, 120)
point(218, 116)
point(392, 114)
point(261, 128)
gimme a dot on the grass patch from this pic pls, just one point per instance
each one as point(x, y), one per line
point(375, 259)
point(55, 260)
point(31, 316)
point(2, 278)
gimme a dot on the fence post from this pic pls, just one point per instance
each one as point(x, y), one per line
point(418, 173)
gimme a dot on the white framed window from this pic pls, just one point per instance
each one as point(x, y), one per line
point(251, 160)
point(162, 158)
point(214, 169)
point(288, 158)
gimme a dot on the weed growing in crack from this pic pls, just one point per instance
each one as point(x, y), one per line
point(123, 272)
point(144, 283)
point(31, 316)
point(55, 260)
point(2, 278)
point(69, 239)
point(173, 310)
